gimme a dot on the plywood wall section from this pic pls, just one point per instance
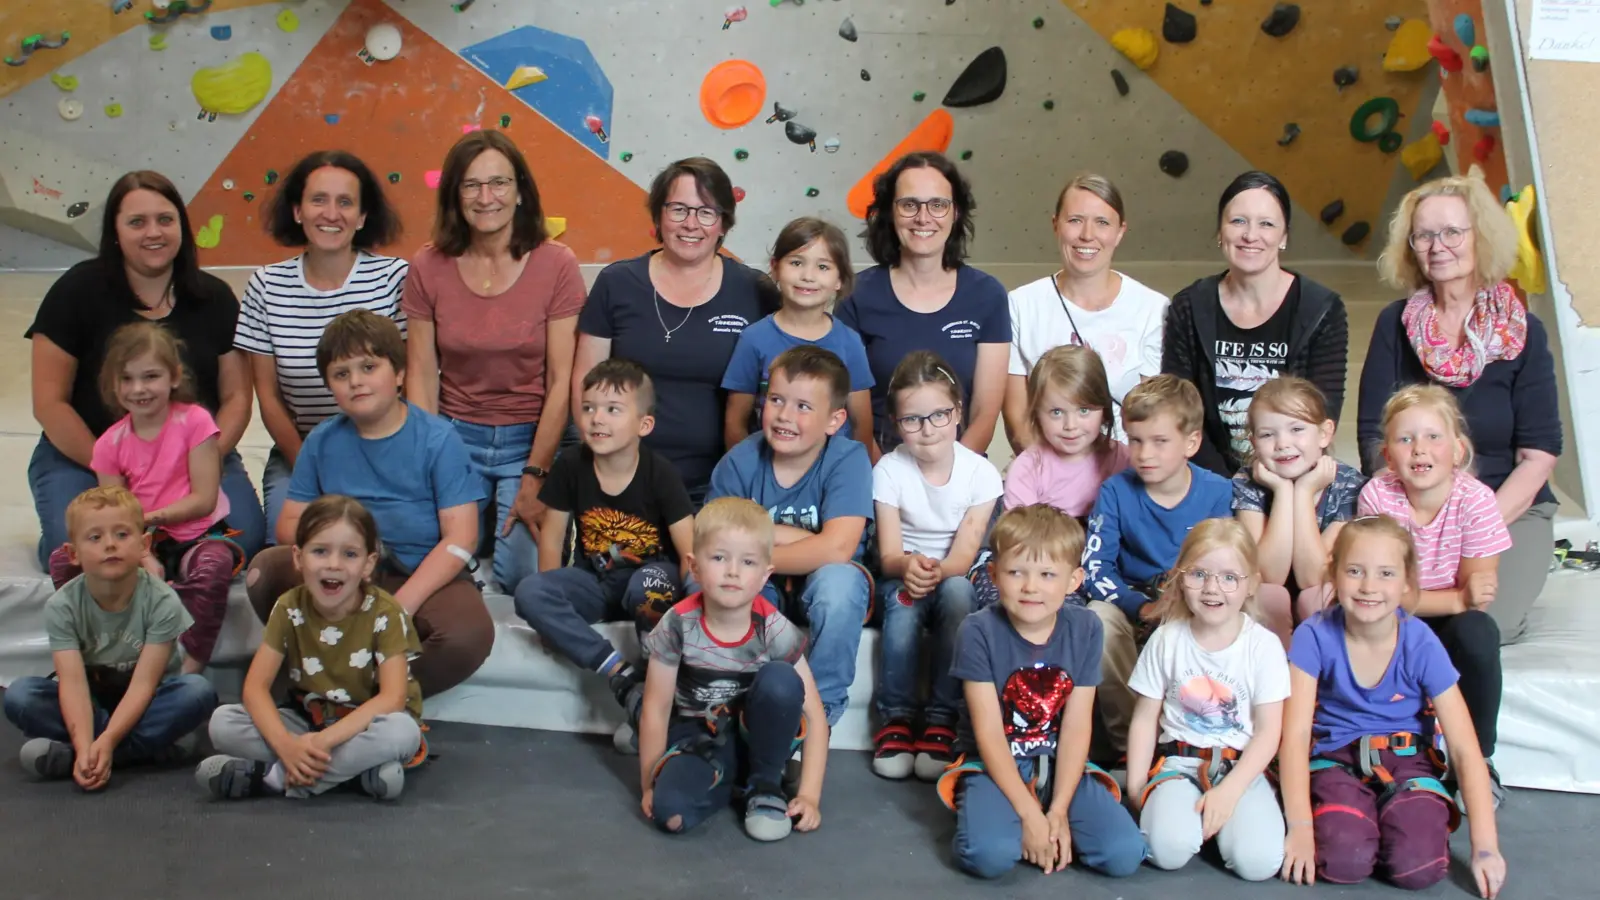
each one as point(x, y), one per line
point(1246, 85)
point(401, 117)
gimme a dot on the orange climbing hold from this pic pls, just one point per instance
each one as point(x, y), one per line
point(933, 134)
point(733, 93)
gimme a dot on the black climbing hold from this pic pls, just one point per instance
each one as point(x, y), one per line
point(1282, 20)
point(1393, 23)
point(812, 192)
point(741, 154)
point(780, 114)
point(394, 177)
point(1205, 2)
point(1120, 82)
point(1331, 212)
point(983, 81)
point(1390, 141)
point(1174, 163)
point(800, 134)
point(1049, 105)
point(1355, 234)
point(1038, 22)
point(1291, 130)
point(77, 209)
point(272, 176)
point(865, 75)
point(505, 120)
point(966, 154)
point(1344, 76)
point(847, 30)
point(1178, 26)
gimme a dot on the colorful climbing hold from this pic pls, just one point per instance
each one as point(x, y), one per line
point(1441, 131)
point(67, 83)
point(1291, 130)
point(248, 196)
point(1408, 49)
point(741, 154)
point(800, 134)
point(1178, 26)
point(627, 156)
point(171, 11)
point(831, 145)
point(227, 184)
point(431, 178)
point(69, 109)
point(1388, 112)
point(555, 226)
point(288, 22)
point(113, 110)
point(505, 120)
point(1529, 271)
point(1390, 141)
point(1449, 59)
point(272, 176)
point(1138, 45)
point(734, 14)
point(1282, 20)
point(1355, 234)
point(1483, 118)
point(1420, 156)
point(596, 127)
point(847, 30)
point(1465, 30)
point(383, 43)
point(813, 192)
point(522, 76)
point(931, 134)
point(209, 235)
point(966, 155)
point(1118, 79)
point(394, 177)
point(333, 119)
point(1393, 23)
point(1038, 21)
point(732, 93)
point(222, 32)
point(1049, 105)
point(1480, 58)
point(234, 87)
point(918, 96)
point(780, 113)
point(738, 195)
point(158, 41)
point(1332, 212)
point(1174, 163)
point(1484, 148)
point(982, 81)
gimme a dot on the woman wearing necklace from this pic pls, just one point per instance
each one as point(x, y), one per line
point(1231, 333)
point(1087, 303)
point(923, 296)
point(678, 311)
point(147, 267)
point(492, 307)
point(331, 205)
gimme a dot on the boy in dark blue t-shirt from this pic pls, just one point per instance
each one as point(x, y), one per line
point(818, 489)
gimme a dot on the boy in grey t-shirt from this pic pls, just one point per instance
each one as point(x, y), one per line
point(117, 696)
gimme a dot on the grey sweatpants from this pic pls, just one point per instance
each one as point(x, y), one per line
point(1523, 570)
point(390, 738)
point(1251, 841)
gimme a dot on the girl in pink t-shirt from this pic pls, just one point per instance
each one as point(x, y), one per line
point(1072, 451)
point(165, 451)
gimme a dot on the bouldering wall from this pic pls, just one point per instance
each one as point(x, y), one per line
point(798, 102)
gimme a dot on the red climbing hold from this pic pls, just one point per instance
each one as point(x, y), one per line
point(1449, 59)
point(1484, 147)
point(1442, 132)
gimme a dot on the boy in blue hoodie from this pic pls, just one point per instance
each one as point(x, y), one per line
point(1138, 524)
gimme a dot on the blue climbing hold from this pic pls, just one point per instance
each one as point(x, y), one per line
point(1505, 193)
point(331, 118)
point(222, 32)
point(1465, 29)
point(1483, 118)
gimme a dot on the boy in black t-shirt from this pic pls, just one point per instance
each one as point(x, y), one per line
point(628, 502)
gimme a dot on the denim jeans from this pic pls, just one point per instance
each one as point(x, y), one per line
point(561, 604)
point(833, 602)
point(275, 490)
point(181, 704)
point(56, 480)
point(988, 841)
point(499, 453)
point(941, 612)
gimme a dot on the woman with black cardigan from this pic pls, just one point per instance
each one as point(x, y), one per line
point(1231, 333)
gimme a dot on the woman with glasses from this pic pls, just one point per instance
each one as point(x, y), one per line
point(493, 305)
point(1464, 327)
point(922, 296)
point(1231, 333)
point(1087, 303)
point(678, 311)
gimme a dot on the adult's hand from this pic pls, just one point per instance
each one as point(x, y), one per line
point(526, 508)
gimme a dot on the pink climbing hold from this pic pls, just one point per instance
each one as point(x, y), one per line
point(1442, 132)
point(734, 14)
point(470, 128)
point(431, 178)
point(1449, 59)
point(738, 195)
point(593, 123)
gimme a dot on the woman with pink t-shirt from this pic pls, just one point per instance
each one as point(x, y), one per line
point(165, 452)
point(492, 305)
point(1459, 532)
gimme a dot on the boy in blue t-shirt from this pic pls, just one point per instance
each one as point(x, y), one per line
point(1023, 787)
point(818, 489)
point(411, 470)
point(1138, 525)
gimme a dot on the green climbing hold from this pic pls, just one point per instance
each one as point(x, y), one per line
point(272, 176)
point(1390, 141)
point(113, 110)
point(505, 120)
point(741, 154)
point(394, 177)
point(627, 156)
point(919, 96)
point(1049, 104)
point(1038, 22)
point(813, 192)
point(966, 154)
point(248, 196)
point(1388, 113)
point(1480, 58)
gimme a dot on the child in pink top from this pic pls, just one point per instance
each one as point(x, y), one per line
point(165, 451)
point(1072, 451)
point(1459, 532)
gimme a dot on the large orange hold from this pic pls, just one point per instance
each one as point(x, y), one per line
point(933, 134)
point(733, 93)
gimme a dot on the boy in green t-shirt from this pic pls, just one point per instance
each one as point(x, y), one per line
point(118, 696)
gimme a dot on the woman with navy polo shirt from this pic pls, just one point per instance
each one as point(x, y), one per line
point(922, 296)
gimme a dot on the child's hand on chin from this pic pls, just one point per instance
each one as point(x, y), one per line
point(1319, 477)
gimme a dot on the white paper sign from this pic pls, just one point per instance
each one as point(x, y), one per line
point(1565, 30)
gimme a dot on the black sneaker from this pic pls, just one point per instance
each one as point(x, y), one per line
point(231, 778)
point(46, 760)
point(894, 750)
point(935, 751)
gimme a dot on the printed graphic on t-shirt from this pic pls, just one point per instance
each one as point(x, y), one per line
point(1209, 706)
point(605, 529)
point(1242, 367)
point(728, 323)
point(961, 329)
point(1032, 703)
point(808, 518)
point(1113, 350)
point(659, 595)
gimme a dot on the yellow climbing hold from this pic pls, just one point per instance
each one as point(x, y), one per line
point(524, 76)
point(1408, 49)
point(158, 41)
point(555, 226)
point(113, 110)
point(67, 83)
point(210, 234)
point(288, 21)
point(1138, 45)
point(1420, 156)
point(233, 87)
point(1528, 272)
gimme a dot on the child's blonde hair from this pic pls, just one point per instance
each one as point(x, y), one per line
point(98, 498)
point(1384, 527)
point(1441, 401)
point(1080, 374)
point(733, 514)
point(134, 340)
point(1165, 394)
point(1286, 395)
point(1209, 535)
point(1041, 532)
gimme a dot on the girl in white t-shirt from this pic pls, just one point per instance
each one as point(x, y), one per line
point(933, 499)
point(1211, 683)
point(1070, 406)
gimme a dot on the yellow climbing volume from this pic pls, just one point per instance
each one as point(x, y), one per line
point(233, 87)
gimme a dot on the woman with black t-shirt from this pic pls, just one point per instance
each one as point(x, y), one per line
point(147, 268)
point(1231, 333)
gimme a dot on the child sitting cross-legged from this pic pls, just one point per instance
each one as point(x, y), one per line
point(728, 692)
point(355, 709)
point(118, 696)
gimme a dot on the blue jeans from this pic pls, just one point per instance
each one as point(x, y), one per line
point(988, 841)
point(561, 604)
point(697, 775)
point(499, 452)
point(275, 490)
point(941, 612)
point(56, 480)
point(833, 602)
point(181, 704)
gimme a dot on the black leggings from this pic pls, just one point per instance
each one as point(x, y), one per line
point(1473, 641)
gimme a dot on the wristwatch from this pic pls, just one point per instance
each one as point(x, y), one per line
point(536, 471)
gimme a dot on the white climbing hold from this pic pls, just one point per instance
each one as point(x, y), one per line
point(227, 184)
point(831, 145)
point(70, 109)
point(383, 42)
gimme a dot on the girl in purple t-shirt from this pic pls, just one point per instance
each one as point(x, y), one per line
point(1363, 675)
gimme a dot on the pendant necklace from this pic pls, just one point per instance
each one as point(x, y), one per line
point(655, 299)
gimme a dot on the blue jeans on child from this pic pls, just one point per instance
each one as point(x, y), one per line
point(941, 613)
point(181, 704)
point(698, 774)
point(499, 452)
point(988, 841)
point(275, 490)
point(56, 480)
point(561, 604)
point(833, 603)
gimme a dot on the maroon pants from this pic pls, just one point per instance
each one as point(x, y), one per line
point(202, 575)
point(1404, 839)
point(454, 625)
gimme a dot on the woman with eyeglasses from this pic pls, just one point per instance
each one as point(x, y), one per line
point(923, 296)
point(1087, 303)
point(1232, 333)
point(492, 306)
point(678, 311)
point(1464, 327)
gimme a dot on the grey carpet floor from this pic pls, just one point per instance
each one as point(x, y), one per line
point(510, 813)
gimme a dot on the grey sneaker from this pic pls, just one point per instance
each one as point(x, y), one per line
point(766, 815)
point(231, 778)
point(45, 760)
point(626, 740)
point(384, 782)
point(179, 751)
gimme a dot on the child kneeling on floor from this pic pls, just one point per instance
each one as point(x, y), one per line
point(349, 644)
point(118, 696)
point(1023, 788)
point(728, 692)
